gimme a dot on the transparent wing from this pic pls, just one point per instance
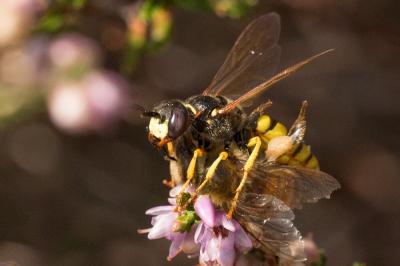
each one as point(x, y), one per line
point(255, 91)
point(294, 185)
point(269, 221)
point(264, 207)
point(252, 60)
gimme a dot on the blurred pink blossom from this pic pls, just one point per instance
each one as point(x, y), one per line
point(72, 49)
point(94, 103)
point(16, 17)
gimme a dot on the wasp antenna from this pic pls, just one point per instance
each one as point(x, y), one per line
point(145, 112)
point(153, 114)
point(138, 107)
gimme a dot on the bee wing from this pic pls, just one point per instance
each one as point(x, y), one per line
point(294, 185)
point(269, 221)
point(252, 60)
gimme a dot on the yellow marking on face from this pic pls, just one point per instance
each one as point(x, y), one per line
point(158, 129)
point(214, 112)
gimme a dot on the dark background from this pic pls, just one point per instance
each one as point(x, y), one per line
point(68, 200)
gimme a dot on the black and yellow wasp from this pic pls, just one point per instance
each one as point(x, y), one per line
point(250, 164)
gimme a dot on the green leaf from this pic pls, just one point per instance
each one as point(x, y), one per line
point(52, 22)
point(76, 4)
point(232, 8)
point(19, 104)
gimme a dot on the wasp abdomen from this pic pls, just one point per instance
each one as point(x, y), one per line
point(269, 128)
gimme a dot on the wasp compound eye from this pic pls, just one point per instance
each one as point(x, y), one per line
point(178, 121)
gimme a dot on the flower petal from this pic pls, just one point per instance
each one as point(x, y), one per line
point(176, 244)
point(242, 240)
point(189, 246)
point(212, 249)
point(160, 210)
point(175, 191)
point(172, 201)
point(205, 210)
point(198, 235)
point(203, 258)
point(226, 256)
point(228, 224)
point(163, 226)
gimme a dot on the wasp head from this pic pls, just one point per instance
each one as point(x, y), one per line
point(169, 120)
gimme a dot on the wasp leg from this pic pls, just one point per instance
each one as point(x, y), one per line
point(256, 142)
point(175, 177)
point(191, 169)
point(211, 171)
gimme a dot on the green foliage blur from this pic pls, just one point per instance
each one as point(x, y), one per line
point(137, 28)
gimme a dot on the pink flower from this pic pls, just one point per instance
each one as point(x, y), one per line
point(95, 103)
point(72, 50)
point(199, 229)
point(221, 239)
point(164, 225)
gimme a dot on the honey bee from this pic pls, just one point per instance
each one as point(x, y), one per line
point(250, 164)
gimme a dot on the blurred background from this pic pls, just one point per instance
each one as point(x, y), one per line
point(77, 173)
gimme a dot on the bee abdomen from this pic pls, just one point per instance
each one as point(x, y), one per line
point(300, 155)
point(269, 128)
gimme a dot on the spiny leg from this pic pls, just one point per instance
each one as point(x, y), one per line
point(170, 151)
point(191, 170)
point(209, 175)
point(256, 142)
point(211, 171)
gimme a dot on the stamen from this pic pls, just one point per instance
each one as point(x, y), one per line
point(144, 231)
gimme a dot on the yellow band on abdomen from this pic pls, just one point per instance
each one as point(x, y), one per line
point(268, 128)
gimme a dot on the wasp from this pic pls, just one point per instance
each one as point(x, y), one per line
point(250, 164)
